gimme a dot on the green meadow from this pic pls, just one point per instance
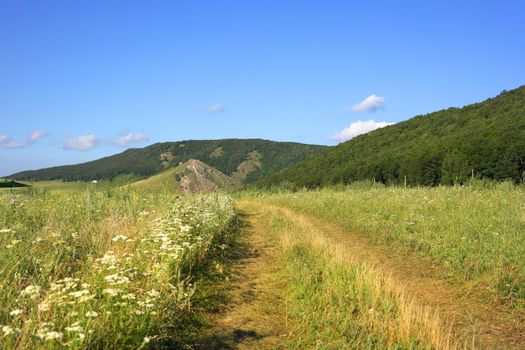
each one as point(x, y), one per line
point(475, 232)
point(361, 266)
point(107, 269)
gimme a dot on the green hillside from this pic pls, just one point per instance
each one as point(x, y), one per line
point(444, 147)
point(246, 159)
point(192, 175)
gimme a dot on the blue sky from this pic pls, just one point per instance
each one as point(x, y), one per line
point(84, 79)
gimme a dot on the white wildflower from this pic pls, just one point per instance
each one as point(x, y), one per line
point(153, 293)
point(53, 335)
point(79, 293)
point(111, 291)
point(43, 306)
point(74, 328)
point(116, 279)
point(129, 296)
point(92, 314)
point(185, 228)
point(85, 298)
point(31, 291)
point(119, 238)
point(8, 330)
point(107, 259)
point(15, 312)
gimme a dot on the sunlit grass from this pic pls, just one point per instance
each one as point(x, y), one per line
point(336, 301)
point(477, 232)
point(109, 269)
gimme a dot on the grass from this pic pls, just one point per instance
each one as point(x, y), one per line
point(334, 301)
point(71, 186)
point(108, 269)
point(164, 180)
point(474, 232)
point(98, 267)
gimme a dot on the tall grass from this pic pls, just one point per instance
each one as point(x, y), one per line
point(334, 301)
point(108, 269)
point(477, 232)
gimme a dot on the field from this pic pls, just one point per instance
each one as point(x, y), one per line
point(361, 266)
point(69, 186)
point(474, 233)
point(387, 267)
point(112, 269)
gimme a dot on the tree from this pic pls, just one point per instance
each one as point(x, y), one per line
point(455, 168)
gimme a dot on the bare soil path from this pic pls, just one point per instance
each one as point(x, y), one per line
point(254, 317)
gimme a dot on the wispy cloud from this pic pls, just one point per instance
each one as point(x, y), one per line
point(37, 134)
point(33, 137)
point(358, 128)
point(129, 138)
point(81, 143)
point(215, 108)
point(370, 104)
point(15, 144)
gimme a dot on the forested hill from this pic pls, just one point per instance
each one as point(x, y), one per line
point(438, 148)
point(247, 159)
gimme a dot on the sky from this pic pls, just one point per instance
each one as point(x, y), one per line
point(80, 80)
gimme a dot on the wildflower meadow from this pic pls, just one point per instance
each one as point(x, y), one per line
point(109, 269)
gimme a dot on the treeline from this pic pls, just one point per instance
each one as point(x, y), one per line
point(147, 161)
point(484, 140)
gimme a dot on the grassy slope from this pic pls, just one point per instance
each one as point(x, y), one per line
point(170, 179)
point(225, 155)
point(490, 137)
point(165, 179)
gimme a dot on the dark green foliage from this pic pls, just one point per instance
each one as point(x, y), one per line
point(441, 147)
point(6, 183)
point(143, 162)
point(455, 168)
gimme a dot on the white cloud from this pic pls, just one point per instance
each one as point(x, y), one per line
point(372, 104)
point(33, 137)
point(358, 128)
point(126, 139)
point(16, 144)
point(37, 134)
point(81, 143)
point(215, 108)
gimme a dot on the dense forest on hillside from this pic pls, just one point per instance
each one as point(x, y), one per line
point(225, 155)
point(486, 139)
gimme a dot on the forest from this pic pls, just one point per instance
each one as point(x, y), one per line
point(485, 140)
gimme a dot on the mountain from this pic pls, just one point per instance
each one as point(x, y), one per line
point(485, 139)
point(192, 175)
point(244, 159)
